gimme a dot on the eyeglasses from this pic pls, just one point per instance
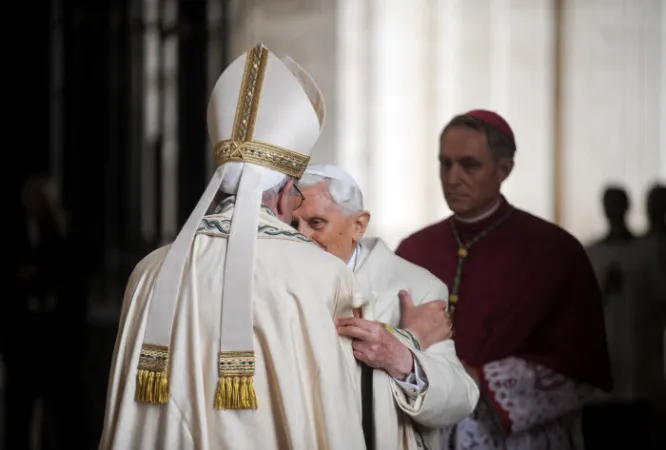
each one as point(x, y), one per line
point(299, 197)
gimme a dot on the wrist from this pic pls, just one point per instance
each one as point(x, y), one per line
point(420, 344)
point(404, 365)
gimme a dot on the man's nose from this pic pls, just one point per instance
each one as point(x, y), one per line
point(452, 175)
point(303, 228)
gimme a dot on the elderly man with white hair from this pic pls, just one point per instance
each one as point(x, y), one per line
point(419, 384)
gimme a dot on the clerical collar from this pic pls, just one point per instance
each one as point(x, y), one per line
point(469, 229)
point(479, 218)
point(352, 261)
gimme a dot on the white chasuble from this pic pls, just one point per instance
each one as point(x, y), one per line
point(306, 377)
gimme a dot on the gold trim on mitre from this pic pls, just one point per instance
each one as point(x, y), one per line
point(241, 147)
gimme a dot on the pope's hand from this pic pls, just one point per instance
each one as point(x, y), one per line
point(376, 347)
point(428, 322)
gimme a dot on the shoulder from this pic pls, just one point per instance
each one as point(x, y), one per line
point(400, 266)
point(305, 273)
point(549, 237)
point(151, 263)
point(420, 282)
point(422, 236)
point(312, 263)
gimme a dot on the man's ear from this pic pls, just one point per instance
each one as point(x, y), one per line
point(284, 198)
point(505, 166)
point(361, 221)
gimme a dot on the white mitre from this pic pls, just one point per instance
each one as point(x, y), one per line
point(264, 117)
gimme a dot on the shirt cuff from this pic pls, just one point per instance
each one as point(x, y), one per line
point(416, 383)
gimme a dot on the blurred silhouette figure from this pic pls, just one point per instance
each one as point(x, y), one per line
point(630, 272)
point(609, 251)
point(610, 257)
point(616, 207)
point(43, 324)
point(649, 280)
point(656, 211)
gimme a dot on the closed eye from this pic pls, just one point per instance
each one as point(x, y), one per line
point(317, 223)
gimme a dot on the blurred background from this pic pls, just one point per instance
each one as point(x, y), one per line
point(116, 153)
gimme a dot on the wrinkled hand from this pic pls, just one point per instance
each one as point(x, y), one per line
point(428, 322)
point(376, 347)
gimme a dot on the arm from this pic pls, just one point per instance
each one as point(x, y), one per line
point(416, 382)
point(450, 394)
point(523, 395)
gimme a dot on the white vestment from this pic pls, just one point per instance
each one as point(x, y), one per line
point(306, 376)
point(401, 422)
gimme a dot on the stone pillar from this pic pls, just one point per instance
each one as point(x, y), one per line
point(497, 55)
point(193, 145)
point(662, 89)
point(397, 126)
point(615, 114)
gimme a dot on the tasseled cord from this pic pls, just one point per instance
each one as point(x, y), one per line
point(152, 384)
point(235, 393)
point(235, 385)
point(152, 387)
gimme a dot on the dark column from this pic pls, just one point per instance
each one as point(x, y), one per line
point(101, 122)
point(87, 140)
point(192, 104)
point(27, 135)
point(134, 92)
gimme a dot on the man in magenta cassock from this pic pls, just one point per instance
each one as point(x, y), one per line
point(525, 303)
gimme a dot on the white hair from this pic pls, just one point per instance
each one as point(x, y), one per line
point(341, 187)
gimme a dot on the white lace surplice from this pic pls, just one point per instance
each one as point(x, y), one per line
point(525, 406)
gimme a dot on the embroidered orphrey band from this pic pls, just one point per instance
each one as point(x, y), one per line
point(241, 147)
point(154, 357)
point(235, 386)
point(152, 382)
point(267, 155)
point(236, 364)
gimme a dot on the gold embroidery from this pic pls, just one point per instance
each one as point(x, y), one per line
point(236, 363)
point(250, 93)
point(152, 382)
point(241, 147)
point(235, 386)
point(267, 155)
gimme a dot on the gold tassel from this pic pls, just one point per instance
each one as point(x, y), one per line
point(235, 386)
point(152, 384)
